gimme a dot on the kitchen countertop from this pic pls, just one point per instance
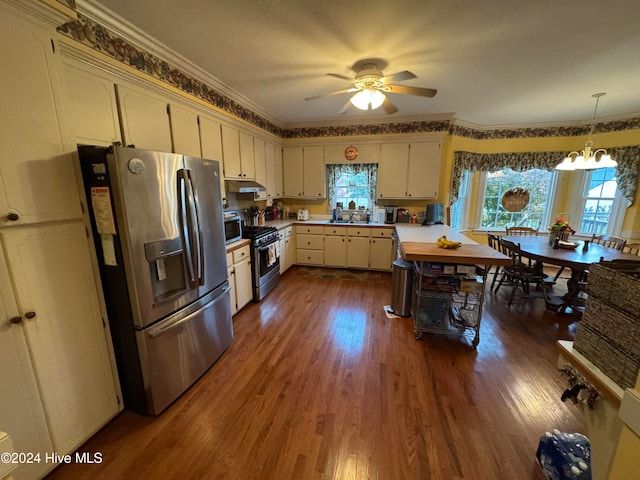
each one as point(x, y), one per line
point(418, 244)
point(236, 245)
point(280, 224)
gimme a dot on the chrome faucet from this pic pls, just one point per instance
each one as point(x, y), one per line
point(352, 216)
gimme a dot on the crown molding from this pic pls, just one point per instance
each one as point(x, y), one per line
point(378, 120)
point(542, 125)
point(129, 32)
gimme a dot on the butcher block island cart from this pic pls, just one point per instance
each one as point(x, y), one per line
point(448, 284)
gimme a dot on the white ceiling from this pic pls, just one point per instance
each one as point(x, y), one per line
point(494, 63)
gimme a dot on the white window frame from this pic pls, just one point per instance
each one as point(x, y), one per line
point(482, 187)
point(620, 203)
point(463, 200)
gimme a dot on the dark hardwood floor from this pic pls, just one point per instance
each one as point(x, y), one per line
point(320, 384)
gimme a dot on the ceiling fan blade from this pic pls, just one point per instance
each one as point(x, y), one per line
point(422, 92)
point(397, 77)
point(337, 75)
point(338, 92)
point(388, 107)
point(345, 107)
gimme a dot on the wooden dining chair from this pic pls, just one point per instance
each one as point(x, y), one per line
point(632, 248)
point(616, 243)
point(494, 242)
point(520, 274)
point(521, 231)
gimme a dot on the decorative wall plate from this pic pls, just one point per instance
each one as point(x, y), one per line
point(351, 153)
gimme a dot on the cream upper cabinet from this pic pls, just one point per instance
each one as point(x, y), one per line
point(145, 119)
point(238, 154)
point(270, 162)
point(185, 136)
point(211, 146)
point(424, 170)
point(292, 171)
point(37, 176)
point(409, 170)
point(247, 156)
point(279, 172)
point(313, 172)
point(259, 157)
point(57, 298)
point(90, 105)
point(392, 170)
point(231, 152)
point(304, 172)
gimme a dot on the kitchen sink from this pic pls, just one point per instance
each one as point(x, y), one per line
point(350, 222)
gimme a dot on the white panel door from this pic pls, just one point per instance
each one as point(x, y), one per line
point(37, 176)
point(53, 278)
point(145, 121)
point(21, 413)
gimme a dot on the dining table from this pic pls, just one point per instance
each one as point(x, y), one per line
point(578, 259)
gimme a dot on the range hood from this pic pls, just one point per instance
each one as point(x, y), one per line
point(243, 186)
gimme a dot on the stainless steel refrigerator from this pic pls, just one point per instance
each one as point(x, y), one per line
point(159, 234)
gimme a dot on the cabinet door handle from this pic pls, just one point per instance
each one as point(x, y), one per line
point(16, 320)
point(30, 315)
point(13, 217)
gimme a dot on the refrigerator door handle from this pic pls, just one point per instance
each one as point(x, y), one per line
point(183, 180)
point(196, 230)
point(155, 332)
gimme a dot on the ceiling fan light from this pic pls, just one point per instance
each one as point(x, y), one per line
point(361, 99)
point(377, 99)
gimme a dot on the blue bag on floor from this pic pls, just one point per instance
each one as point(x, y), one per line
point(564, 456)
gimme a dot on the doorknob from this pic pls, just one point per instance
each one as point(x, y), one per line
point(30, 315)
point(13, 217)
point(16, 320)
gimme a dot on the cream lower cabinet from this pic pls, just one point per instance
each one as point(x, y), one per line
point(310, 244)
point(335, 246)
point(381, 249)
point(50, 300)
point(239, 272)
point(358, 247)
point(287, 241)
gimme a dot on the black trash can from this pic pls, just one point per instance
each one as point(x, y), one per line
point(401, 287)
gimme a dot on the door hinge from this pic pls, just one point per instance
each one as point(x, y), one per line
point(118, 399)
point(104, 324)
point(82, 207)
point(53, 46)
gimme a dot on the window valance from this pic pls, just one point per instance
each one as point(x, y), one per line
point(628, 159)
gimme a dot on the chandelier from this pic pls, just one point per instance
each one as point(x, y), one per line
point(588, 159)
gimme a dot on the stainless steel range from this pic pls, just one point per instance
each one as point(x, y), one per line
point(265, 259)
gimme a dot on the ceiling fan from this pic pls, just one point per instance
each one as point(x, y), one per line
point(371, 85)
